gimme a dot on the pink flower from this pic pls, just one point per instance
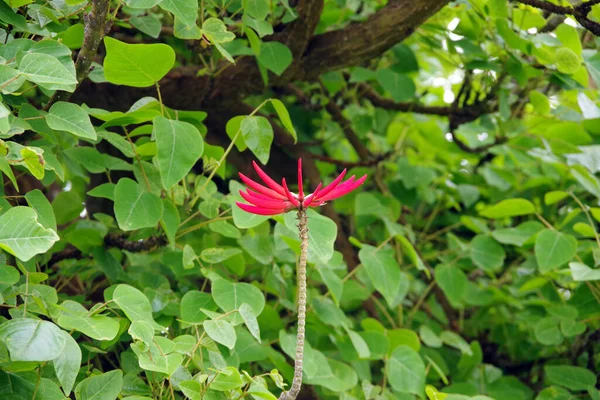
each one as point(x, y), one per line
point(275, 199)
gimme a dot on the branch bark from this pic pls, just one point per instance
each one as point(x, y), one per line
point(96, 25)
point(360, 42)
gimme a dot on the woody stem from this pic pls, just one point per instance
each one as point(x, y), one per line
point(297, 381)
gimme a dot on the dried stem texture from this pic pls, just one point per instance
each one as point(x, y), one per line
point(297, 381)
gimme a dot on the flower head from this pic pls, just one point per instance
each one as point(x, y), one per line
point(274, 198)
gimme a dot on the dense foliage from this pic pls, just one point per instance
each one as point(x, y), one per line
point(467, 266)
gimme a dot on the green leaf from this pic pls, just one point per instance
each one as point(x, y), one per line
point(22, 235)
point(226, 380)
point(216, 31)
point(554, 249)
point(137, 65)
point(217, 255)
point(38, 201)
point(5, 167)
point(567, 61)
point(67, 364)
point(32, 339)
point(249, 318)
point(191, 304)
point(547, 331)
point(400, 86)
point(145, 4)
point(184, 10)
point(586, 179)
point(74, 316)
point(453, 282)
point(180, 146)
point(258, 135)
point(11, 80)
point(170, 221)
point(147, 24)
point(486, 253)
point(582, 272)
point(454, 340)
point(106, 386)
point(571, 377)
point(192, 389)
point(361, 347)
point(258, 9)
point(509, 208)
point(520, 235)
point(47, 72)
point(429, 337)
point(322, 232)
point(384, 272)
point(221, 332)
point(230, 296)
point(136, 208)
point(160, 358)
point(275, 56)
point(406, 371)
point(284, 117)
point(8, 275)
point(134, 304)
point(70, 118)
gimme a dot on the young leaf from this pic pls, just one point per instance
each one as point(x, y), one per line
point(67, 364)
point(135, 208)
point(137, 65)
point(22, 235)
point(30, 339)
point(275, 56)
point(249, 318)
point(70, 118)
point(221, 332)
point(180, 146)
point(258, 135)
point(106, 386)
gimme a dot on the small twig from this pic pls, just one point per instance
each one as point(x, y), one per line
point(579, 11)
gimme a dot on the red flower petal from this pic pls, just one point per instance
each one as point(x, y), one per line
point(300, 191)
point(310, 198)
point(332, 185)
point(289, 194)
point(259, 210)
point(260, 188)
point(267, 179)
point(343, 189)
point(260, 202)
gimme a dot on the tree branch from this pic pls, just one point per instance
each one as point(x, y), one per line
point(579, 11)
point(298, 33)
point(337, 115)
point(117, 240)
point(96, 26)
point(359, 42)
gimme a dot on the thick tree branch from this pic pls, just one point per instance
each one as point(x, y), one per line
point(352, 45)
point(360, 42)
point(298, 33)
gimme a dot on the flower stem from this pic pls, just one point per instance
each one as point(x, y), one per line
point(297, 381)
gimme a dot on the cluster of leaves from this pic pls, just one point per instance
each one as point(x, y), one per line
point(468, 268)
